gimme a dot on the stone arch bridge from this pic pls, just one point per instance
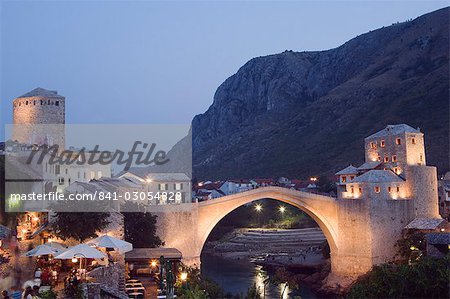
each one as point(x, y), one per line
point(359, 234)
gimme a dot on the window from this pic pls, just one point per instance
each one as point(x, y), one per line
point(377, 189)
point(163, 187)
point(394, 158)
point(360, 190)
point(413, 140)
point(389, 189)
point(421, 158)
point(34, 103)
point(26, 102)
point(398, 141)
point(396, 170)
point(178, 186)
point(382, 143)
point(57, 103)
point(386, 159)
point(373, 145)
point(99, 174)
point(352, 177)
point(66, 171)
point(92, 175)
point(379, 158)
point(79, 174)
point(344, 179)
point(42, 102)
point(398, 189)
point(48, 102)
point(352, 189)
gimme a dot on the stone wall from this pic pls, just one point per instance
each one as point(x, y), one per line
point(422, 181)
point(29, 111)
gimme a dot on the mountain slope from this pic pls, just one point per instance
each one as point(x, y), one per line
point(306, 113)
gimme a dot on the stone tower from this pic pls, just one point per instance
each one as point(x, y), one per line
point(39, 118)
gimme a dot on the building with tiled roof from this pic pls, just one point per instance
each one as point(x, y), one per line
point(391, 155)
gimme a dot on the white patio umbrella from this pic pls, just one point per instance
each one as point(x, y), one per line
point(43, 250)
point(111, 242)
point(56, 245)
point(81, 251)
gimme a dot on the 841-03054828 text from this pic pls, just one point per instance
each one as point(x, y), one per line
point(101, 196)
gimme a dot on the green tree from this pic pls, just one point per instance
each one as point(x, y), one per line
point(140, 227)
point(428, 278)
point(79, 225)
point(411, 240)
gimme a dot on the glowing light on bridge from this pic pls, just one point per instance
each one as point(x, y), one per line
point(282, 209)
point(258, 207)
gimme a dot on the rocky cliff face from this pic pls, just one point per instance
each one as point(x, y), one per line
point(306, 113)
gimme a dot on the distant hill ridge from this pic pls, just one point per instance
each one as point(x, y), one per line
point(303, 113)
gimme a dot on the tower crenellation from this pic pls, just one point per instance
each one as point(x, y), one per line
point(38, 117)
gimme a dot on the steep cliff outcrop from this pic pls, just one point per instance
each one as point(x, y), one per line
point(304, 113)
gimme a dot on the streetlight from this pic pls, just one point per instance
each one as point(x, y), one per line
point(183, 276)
point(258, 207)
point(282, 209)
point(313, 179)
point(153, 263)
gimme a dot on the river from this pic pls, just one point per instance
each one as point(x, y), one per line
point(236, 276)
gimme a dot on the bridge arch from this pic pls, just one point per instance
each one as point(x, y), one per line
point(322, 209)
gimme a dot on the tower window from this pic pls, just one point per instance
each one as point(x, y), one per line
point(394, 158)
point(389, 189)
point(344, 179)
point(386, 159)
point(396, 170)
point(398, 189)
point(26, 102)
point(379, 158)
point(34, 103)
point(377, 189)
point(382, 143)
point(413, 140)
point(360, 190)
point(373, 145)
point(352, 189)
point(57, 103)
point(398, 141)
point(42, 102)
point(352, 177)
point(48, 102)
point(421, 157)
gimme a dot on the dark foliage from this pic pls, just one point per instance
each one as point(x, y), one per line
point(140, 229)
point(428, 278)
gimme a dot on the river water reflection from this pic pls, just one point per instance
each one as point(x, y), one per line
point(237, 276)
